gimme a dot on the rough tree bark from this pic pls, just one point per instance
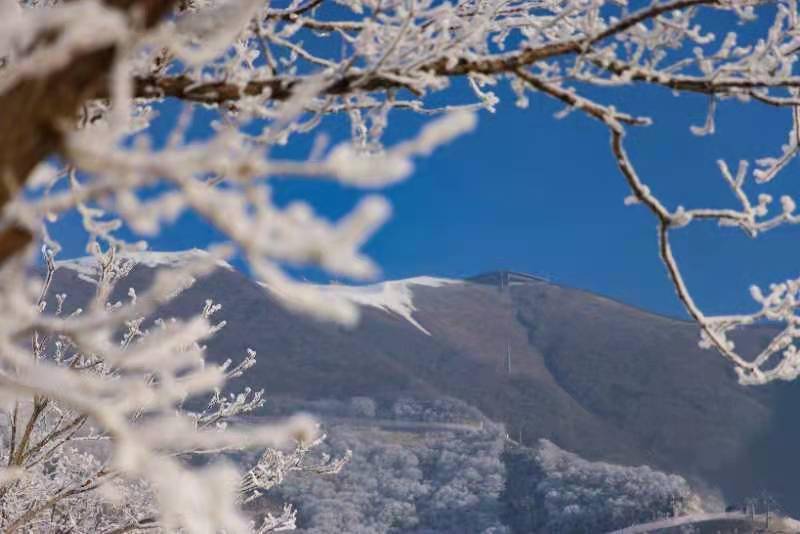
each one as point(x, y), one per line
point(36, 109)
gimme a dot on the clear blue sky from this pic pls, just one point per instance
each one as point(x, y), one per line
point(531, 193)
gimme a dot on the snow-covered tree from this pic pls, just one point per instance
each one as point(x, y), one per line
point(82, 81)
point(102, 433)
point(68, 470)
point(425, 480)
point(552, 490)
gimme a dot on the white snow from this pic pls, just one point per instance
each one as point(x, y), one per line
point(702, 517)
point(394, 296)
point(793, 524)
point(87, 265)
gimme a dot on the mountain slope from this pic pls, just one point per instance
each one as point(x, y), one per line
point(597, 377)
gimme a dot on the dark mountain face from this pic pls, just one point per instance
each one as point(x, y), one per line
point(597, 377)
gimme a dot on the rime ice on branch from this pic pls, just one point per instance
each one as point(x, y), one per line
point(81, 81)
point(99, 433)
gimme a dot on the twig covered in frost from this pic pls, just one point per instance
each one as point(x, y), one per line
point(128, 399)
point(81, 83)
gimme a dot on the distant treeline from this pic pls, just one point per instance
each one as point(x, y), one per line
point(466, 482)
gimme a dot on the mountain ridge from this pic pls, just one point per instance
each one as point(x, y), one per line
point(596, 376)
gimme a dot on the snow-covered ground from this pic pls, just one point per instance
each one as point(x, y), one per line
point(394, 296)
point(781, 522)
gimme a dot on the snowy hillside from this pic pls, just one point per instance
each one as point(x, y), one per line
point(434, 479)
point(394, 297)
point(591, 375)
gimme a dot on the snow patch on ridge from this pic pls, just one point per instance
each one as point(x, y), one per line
point(86, 266)
point(394, 296)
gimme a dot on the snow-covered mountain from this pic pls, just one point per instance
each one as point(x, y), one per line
point(594, 376)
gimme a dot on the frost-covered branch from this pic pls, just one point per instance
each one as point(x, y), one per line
point(103, 420)
point(83, 86)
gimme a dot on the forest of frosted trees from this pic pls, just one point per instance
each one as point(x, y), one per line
point(428, 481)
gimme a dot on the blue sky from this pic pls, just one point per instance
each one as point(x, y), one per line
point(532, 193)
